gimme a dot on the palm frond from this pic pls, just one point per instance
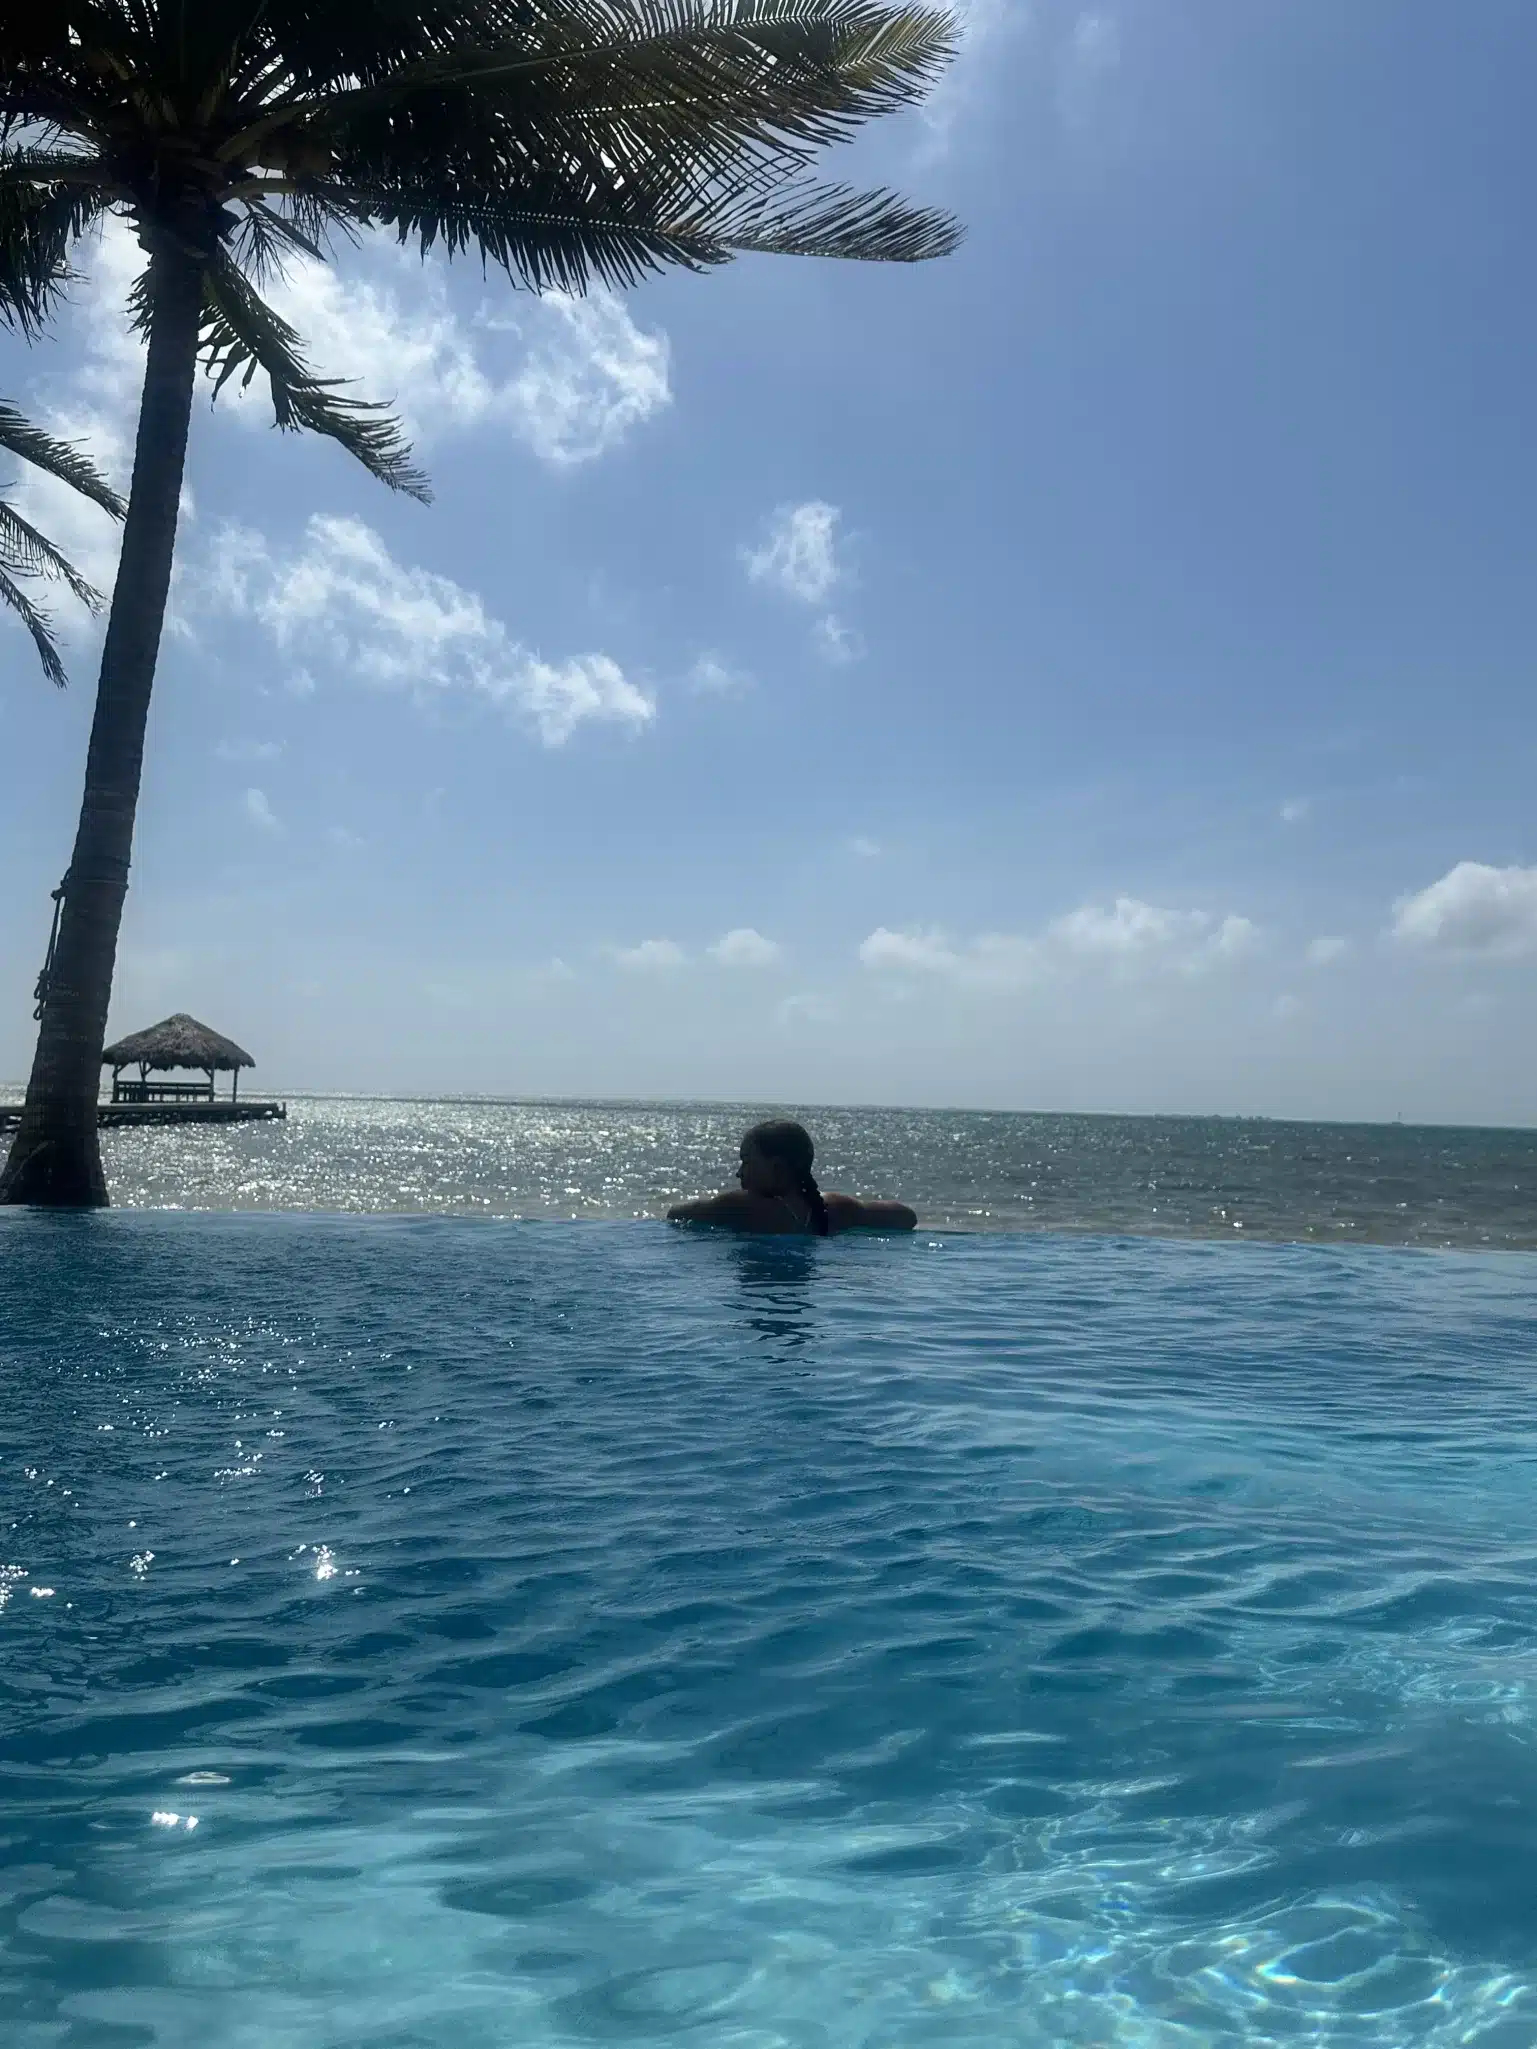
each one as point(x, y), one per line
point(566, 243)
point(570, 142)
point(36, 164)
point(265, 238)
point(242, 334)
point(822, 220)
point(62, 459)
point(38, 225)
point(857, 57)
point(26, 552)
point(39, 625)
point(576, 238)
point(50, 97)
point(688, 81)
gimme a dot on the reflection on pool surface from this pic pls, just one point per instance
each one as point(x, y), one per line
point(565, 1635)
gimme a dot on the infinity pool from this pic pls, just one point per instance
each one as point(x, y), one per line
point(450, 1635)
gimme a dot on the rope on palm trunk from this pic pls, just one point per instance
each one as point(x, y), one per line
point(108, 869)
point(46, 976)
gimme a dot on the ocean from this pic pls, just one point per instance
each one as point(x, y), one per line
point(1181, 1177)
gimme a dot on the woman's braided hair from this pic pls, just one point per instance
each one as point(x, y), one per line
point(781, 1138)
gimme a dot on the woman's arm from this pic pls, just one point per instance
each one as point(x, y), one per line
point(846, 1213)
point(729, 1207)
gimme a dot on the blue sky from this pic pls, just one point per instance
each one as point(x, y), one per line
point(1092, 672)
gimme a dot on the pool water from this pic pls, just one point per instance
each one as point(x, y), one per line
point(450, 1635)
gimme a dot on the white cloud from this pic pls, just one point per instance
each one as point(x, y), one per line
point(339, 836)
point(341, 600)
point(248, 750)
point(862, 848)
point(1127, 936)
point(992, 960)
point(1129, 926)
point(568, 377)
point(1234, 938)
point(806, 1007)
point(110, 263)
point(415, 356)
point(89, 537)
point(1286, 1007)
point(925, 953)
point(591, 378)
point(1130, 930)
point(835, 642)
point(745, 948)
point(96, 404)
point(1295, 810)
point(713, 676)
point(552, 973)
point(651, 956)
point(259, 811)
point(1473, 910)
point(1322, 953)
point(799, 555)
point(984, 24)
point(562, 696)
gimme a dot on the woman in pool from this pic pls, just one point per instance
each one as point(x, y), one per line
point(779, 1196)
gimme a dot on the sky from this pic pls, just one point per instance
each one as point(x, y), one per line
point(1091, 672)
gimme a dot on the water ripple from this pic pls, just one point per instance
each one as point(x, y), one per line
point(590, 1637)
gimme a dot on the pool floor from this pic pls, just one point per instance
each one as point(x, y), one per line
point(446, 1635)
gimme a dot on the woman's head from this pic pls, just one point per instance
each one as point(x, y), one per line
point(776, 1161)
point(776, 1157)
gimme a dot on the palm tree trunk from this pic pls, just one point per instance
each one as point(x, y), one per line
point(55, 1158)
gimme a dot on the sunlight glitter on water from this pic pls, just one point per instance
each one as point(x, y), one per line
point(1162, 1176)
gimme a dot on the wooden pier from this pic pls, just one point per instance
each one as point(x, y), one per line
point(113, 1116)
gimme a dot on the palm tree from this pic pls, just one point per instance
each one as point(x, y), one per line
point(24, 552)
point(568, 142)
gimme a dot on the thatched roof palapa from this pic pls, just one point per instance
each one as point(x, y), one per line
point(178, 1041)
